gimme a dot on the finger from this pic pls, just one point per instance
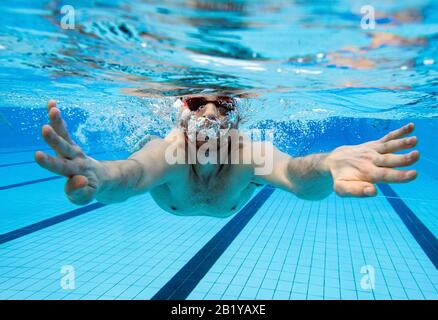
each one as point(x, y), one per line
point(391, 175)
point(401, 132)
point(51, 104)
point(355, 189)
point(58, 124)
point(396, 145)
point(56, 165)
point(58, 143)
point(78, 191)
point(397, 160)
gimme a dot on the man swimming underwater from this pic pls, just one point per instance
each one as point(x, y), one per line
point(220, 188)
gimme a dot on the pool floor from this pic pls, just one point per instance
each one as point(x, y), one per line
point(277, 247)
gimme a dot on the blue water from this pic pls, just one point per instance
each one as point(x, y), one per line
point(307, 70)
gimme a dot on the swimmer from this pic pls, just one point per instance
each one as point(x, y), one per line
point(216, 188)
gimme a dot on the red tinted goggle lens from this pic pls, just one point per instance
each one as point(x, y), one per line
point(197, 102)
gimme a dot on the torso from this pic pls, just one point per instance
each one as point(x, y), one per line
point(186, 194)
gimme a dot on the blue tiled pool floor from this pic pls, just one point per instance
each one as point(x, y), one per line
point(296, 249)
point(289, 249)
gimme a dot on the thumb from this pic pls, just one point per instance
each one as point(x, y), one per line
point(78, 190)
point(354, 188)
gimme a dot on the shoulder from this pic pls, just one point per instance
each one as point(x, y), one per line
point(175, 137)
point(256, 150)
point(156, 142)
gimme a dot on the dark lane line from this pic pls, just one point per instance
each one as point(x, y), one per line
point(183, 282)
point(33, 161)
point(15, 234)
point(21, 151)
point(425, 238)
point(16, 163)
point(16, 185)
point(43, 148)
point(25, 183)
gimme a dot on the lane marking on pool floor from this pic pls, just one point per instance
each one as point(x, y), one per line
point(18, 233)
point(43, 148)
point(424, 237)
point(16, 163)
point(187, 278)
point(24, 183)
point(33, 161)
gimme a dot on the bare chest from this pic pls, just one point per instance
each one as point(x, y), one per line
point(219, 197)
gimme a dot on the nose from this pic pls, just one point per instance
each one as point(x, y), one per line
point(210, 111)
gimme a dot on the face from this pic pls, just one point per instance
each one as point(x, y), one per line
point(208, 117)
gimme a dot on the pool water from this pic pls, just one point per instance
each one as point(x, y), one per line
point(308, 71)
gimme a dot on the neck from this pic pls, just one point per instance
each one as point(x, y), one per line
point(210, 170)
point(206, 172)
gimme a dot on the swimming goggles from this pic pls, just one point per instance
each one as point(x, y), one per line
point(224, 104)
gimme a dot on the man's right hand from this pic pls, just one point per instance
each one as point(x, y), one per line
point(70, 161)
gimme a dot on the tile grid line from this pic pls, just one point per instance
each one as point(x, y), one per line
point(24, 183)
point(372, 218)
point(233, 257)
point(182, 284)
point(420, 232)
point(18, 233)
point(266, 244)
point(33, 161)
point(388, 231)
point(289, 217)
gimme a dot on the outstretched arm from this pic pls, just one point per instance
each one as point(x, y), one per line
point(106, 181)
point(348, 170)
